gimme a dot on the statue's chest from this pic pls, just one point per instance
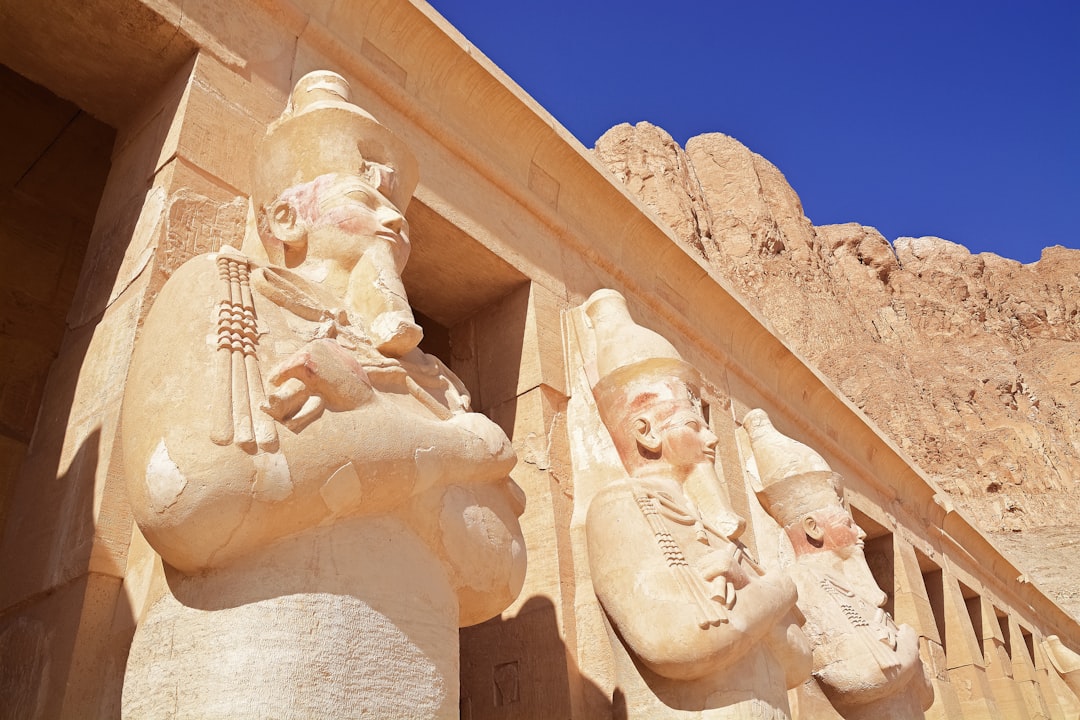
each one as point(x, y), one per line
point(679, 530)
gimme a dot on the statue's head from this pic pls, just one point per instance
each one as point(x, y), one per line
point(801, 492)
point(647, 395)
point(322, 132)
point(653, 413)
point(330, 188)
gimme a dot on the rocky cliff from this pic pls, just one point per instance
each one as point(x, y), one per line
point(971, 363)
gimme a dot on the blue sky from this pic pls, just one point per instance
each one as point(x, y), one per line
point(954, 119)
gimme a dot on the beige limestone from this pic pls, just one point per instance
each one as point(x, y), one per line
point(864, 664)
point(327, 508)
point(697, 627)
point(658, 171)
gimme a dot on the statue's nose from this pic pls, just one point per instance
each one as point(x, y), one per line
point(392, 220)
point(710, 439)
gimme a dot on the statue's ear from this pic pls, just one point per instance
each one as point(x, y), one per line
point(646, 435)
point(285, 223)
point(812, 529)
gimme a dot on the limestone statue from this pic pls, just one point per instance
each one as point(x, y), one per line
point(327, 509)
point(864, 664)
point(698, 628)
point(1065, 662)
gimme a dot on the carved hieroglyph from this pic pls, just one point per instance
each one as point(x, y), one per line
point(327, 509)
point(864, 664)
point(698, 628)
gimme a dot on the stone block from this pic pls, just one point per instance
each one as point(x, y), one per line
point(12, 453)
point(25, 365)
point(515, 666)
point(56, 658)
point(41, 118)
point(533, 416)
point(946, 705)
point(127, 200)
point(49, 532)
point(973, 692)
point(68, 513)
point(252, 39)
point(219, 121)
point(39, 240)
point(506, 351)
point(962, 645)
point(86, 144)
point(1009, 698)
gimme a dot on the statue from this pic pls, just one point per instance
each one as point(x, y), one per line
point(1065, 662)
point(327, 510)
point(865, 665)
point(698, 628)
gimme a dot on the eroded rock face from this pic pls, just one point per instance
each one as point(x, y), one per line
point(971, 363)
point(658, 171)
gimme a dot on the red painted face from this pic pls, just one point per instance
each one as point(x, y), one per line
point(840, 533)
point(687, 439)
point(360, 212)
point(357, 216)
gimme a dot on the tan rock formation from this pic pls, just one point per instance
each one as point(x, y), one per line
point(657, 170)
point(971, 363)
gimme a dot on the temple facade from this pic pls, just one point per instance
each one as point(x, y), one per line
point(158, 147)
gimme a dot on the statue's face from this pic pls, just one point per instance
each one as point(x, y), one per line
point(843, 537)
point(839, 531)
point(686, 439)
point(350, 229)
point(359, 218)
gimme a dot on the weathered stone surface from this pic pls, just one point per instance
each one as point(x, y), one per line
point(659, 172)
point(970, 362)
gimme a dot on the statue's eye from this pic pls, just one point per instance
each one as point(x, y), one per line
point(362, 196)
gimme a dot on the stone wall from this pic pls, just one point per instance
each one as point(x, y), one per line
point(51, 180)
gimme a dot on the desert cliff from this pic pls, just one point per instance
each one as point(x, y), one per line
point(970, 363)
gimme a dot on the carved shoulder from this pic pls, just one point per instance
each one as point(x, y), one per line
point(181, 484)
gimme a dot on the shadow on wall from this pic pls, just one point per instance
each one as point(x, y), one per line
point(70, 619)
point(64, 622)
point(36, 641)
point(518, 668)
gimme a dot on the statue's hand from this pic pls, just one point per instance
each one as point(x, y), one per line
point(724, 562)
point(320, 375)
